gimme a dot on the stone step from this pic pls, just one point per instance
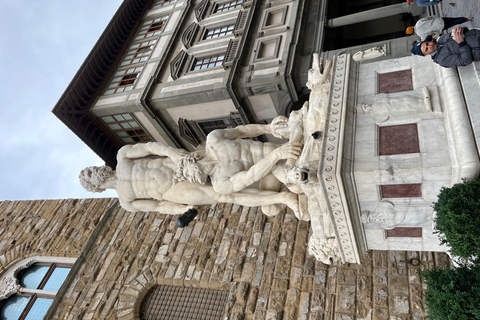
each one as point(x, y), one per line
point(470, 80)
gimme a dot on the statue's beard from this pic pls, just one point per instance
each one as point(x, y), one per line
point(98, 176)
point(189, 170)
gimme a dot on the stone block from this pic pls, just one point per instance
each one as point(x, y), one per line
point(398, 285)
point(346, 276)
point(380, 277)
point(416, 299)
point(280, 284)
point(380, 259)
point(364, 288)
point(273, 314)
point(263, 296)
point(396, 267)
point(296, 277)
point(293, 296)
point(290, 313)
point(316, 316)
point(364, 310)
point(252, 300)
point(342, 316)
point(282, 268)
point(258, 276)
point(380, 296)
point(380, 314)
point(304, 305)
point(260, 314)
point(248, 272)
point(277, 300)
point(399, 304)
point(242, 291)
point(332, 280)
point(320, 279)
point(307, 284)
point(318, 302)
point(346, 299)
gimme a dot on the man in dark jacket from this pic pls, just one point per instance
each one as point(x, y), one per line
point(460, 48)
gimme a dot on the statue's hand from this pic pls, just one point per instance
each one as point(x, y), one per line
point(279, 127)
point(289, 151)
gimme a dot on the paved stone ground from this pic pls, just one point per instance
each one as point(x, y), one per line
point(463, 8)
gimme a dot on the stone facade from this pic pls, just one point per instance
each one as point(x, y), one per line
point(261, 260)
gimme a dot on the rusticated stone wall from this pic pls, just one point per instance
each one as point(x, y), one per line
point(262, 261)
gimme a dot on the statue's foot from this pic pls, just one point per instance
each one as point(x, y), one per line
point(273, 210)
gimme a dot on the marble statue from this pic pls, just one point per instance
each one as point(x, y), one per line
point(386, 215)
point(371, 53)
point(155, 177)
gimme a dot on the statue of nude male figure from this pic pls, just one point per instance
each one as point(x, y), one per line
point(144, 183)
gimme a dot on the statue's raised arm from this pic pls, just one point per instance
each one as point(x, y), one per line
point(142, 150)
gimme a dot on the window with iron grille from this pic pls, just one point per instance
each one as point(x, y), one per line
point(40, 283)
point(221, 7)
point(126, 128)
point(138, 52)
point(162, 3)
point(152, 27)
point(218, 32)
point(208, 62)
point(123, 80)
point(172, 303)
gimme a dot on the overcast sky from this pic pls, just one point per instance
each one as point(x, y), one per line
point(43, 43)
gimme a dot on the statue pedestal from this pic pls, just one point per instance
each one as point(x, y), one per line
point(328, 133)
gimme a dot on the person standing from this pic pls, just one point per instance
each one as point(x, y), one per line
point(433, 26)
point(460, 48)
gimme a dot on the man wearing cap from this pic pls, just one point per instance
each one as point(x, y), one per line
point(424, 3)
point(460, 48)
point(433, 26)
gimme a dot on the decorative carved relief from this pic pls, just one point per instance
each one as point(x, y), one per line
point(414, 101)
point(383, 215)
point(189, 34)
point(8, 286)
point(319, 74)
point(371, 53)
point(176, 66)
point(324, 249)
point(386, 215)
point(201, 9)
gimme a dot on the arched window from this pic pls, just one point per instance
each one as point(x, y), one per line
point(36, 287)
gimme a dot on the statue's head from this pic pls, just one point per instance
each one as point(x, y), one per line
point(189, 170)
point(91, 178)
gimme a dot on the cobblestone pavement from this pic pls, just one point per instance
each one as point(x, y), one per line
point(463, 8)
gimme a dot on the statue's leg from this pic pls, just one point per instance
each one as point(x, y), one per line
point(257, 197)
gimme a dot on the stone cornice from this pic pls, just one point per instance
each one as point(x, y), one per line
point(72, 108)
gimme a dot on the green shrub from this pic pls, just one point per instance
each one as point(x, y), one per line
point(458, 218)
point(453, 294)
